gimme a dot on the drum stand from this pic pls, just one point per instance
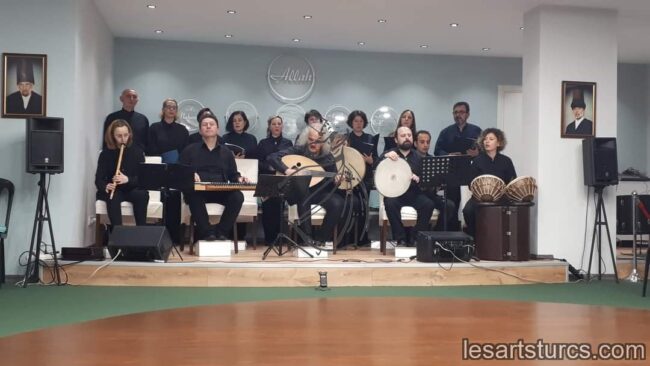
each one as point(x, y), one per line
point(634, 275)
point(600, 220)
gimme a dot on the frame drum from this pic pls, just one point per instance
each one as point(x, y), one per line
point(393, 177)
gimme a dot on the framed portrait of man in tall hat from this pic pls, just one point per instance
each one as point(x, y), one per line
point(578, 109)
point(24, 86)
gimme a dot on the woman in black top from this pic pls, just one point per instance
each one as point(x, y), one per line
point(125, 182)
point(167, 138)
point(489, 161)
point(406, 119)
point(271, 207)
point(237, 126)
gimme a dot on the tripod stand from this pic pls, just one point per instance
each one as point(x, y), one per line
point(280, 187)
point(600, 220)
point(42, 215)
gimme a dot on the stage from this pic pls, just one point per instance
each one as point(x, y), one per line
point(360, 267)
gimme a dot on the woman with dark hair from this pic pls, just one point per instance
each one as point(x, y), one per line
point(313, 116)
point(271, 207)
point(406, 119)
point(364, 143)
point(491, 161)
point(123, 185)
point(243, 144)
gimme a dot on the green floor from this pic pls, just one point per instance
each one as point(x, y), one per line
point(44, 306)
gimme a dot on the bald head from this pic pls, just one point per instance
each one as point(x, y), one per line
point(129, 99)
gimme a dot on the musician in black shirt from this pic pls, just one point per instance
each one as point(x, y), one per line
point(271, 207)
point(125, 182)
point(413, 197)
point(489, 161)
point(212, 162)
point(311, 145)
point(138, 122)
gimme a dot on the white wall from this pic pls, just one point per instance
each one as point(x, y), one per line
point(78, 46)
point(551, 55)
point(632, 126)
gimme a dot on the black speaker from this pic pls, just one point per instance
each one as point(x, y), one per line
point(444, 246)
point(624, 215)
point(140, 243)
point(45, 145)
point(599, 161)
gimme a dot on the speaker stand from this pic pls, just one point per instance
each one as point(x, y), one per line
point(600, 220)
point(42, 216)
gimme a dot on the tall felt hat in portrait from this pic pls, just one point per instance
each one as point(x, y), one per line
point(25, 72)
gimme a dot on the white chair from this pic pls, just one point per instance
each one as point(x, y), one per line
point(154, 208)
point(247, 168)
point(409, 218)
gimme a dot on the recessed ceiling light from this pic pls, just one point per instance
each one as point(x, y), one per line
point(522, 28)
point(424, 46)
point(296, 40)
point(151, 6)
point(454, 25)
point(381, 20)
point(231, 11)
point(486, 48)
point(307, 16)
point(361, 43)
point(228, 36)
point(159, 31)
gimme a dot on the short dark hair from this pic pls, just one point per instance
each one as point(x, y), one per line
point(313, 113)
point(232, 118)
point(357, 113)
point(501, 137)
point(463, 104)
point(423, 132)
point(202, 111)
point(208, 115)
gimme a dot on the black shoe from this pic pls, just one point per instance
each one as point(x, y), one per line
point(221, 237)
point(402, 243)
point(210, 237)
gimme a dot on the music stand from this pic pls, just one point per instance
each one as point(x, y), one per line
point(447, 170)
point(163, 177)
point(286, 188)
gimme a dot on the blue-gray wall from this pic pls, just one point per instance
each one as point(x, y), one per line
point(218, 75)
point(632, 128)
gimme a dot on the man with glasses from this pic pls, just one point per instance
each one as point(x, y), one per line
point(458, 139)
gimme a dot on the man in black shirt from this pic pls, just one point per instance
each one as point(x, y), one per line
point(456, 139)
point(414, 196)
point(212, 162)
point(138, 122)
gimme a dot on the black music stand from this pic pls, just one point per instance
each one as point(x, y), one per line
point(163, 177)
point(287, 188)
point(447, 170)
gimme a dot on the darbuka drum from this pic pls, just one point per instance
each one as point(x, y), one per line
point(487, 188)
point(352, 166)
point(393, 177)
point(521, 189)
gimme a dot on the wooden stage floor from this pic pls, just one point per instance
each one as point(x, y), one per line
point(362, 267)
point(342, 331)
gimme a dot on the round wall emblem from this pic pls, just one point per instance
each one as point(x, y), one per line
point(291, 78)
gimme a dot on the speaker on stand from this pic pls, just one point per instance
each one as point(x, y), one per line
point(600, 167)
point(44, 152)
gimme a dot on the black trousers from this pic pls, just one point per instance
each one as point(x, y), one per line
point(173, 215)
point(271, 218)
point(447, 211)
point(139, 198)
point(416, 199)
point(333, 204)
point(231, 200)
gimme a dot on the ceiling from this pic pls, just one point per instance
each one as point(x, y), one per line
point(342, 24)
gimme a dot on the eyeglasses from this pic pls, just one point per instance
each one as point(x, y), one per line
point(171, 107)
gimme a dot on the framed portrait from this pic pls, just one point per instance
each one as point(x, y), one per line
point(578, 109)
point(24, 85)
